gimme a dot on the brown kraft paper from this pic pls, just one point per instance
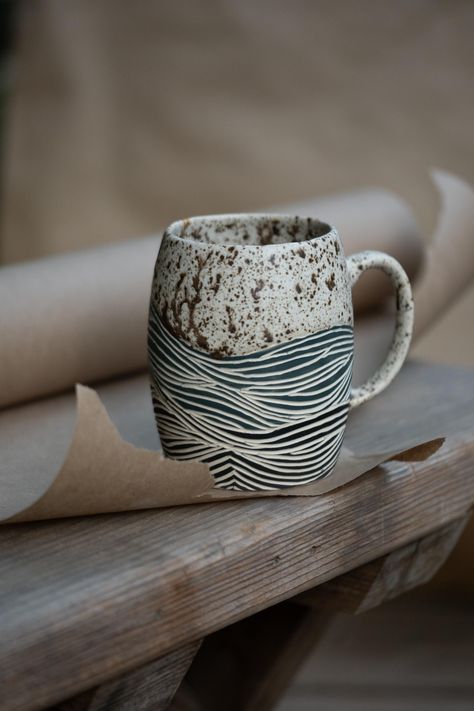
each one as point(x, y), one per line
point(104, 457)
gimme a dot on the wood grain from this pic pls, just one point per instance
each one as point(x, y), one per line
point(85, 600)
point(248, 665)
point(149, 688)
point(386, 577)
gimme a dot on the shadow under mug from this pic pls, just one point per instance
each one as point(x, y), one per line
point(250, 343)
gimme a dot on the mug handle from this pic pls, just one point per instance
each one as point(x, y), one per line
point(357, 264)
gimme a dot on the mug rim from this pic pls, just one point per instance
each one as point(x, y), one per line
point(170, 231)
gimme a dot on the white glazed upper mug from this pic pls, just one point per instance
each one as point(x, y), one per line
point(251, 345)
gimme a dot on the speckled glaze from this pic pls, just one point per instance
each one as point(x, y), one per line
point(251, 346)
point(231, 285)
point(357, 264)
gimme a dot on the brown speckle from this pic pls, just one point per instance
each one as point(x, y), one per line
point(221, 352)
point(217, 283)
point(265, 233)
point(230, 315)
point(293, 229)
point(267, 336)
point(176, 307)
point(256, 291)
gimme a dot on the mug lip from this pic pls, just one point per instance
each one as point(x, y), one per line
point(170, 234)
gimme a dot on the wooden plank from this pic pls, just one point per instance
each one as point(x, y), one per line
point(149, 688)
point(387, 577)
point(424, 401)
point(248, 666)
point(85, 600)
point(157, 582)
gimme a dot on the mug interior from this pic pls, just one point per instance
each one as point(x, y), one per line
point(256, 230)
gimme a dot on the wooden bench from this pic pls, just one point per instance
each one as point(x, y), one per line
point(108, 612)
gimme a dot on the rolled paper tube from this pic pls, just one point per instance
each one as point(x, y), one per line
point(82, 317)
point(448, 273)
point(113, 432)
point(78, 317)
point(450, 263)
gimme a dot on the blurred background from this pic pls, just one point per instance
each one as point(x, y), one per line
point(118, 117)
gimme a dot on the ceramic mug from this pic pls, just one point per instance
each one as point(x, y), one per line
point(251, 345)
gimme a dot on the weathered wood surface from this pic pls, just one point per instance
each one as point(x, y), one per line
point(85, 600)
point(386, 577)
point(249, 665)
point(149, 688)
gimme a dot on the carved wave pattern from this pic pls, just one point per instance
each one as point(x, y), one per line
point(267, 420)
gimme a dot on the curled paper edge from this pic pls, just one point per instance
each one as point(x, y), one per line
point(449, 267)
point(127, 477)
point(131, 478)
point(447, 273)
point(102, 473)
